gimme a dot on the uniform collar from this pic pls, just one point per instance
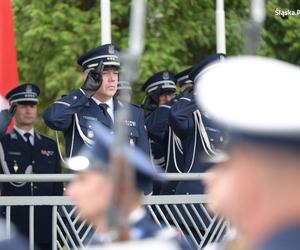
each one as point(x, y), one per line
point(22, 132)
point(109, 103)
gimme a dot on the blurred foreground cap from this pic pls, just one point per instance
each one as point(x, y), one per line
point(256, 98)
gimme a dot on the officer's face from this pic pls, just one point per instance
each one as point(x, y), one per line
point(230, 187)
point(92, 193)
point(109, 85)
point(26, 114)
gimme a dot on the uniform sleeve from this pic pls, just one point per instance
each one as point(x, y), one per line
point(157, 123)
point(5, 118)
point(59, 115)
point(181, 117)
point(58, 186)
point(143, 142)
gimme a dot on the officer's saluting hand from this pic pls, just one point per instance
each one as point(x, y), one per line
point(93, 81)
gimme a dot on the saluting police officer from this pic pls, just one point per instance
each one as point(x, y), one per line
point(160, 88)
point(25, 151)
point(94, 101)
point(158, 126)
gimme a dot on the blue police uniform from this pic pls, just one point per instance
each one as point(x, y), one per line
point(159, 131)
point(18, 157)
point(198, 138)
point(196, 131)
point(74, 113)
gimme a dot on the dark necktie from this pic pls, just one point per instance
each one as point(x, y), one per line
point(109, 121)
point(27, 136)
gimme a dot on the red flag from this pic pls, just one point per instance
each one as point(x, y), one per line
point(8, 55)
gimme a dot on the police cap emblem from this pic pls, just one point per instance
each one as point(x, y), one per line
point(28, 88)
point(111, 49)
point(166, 75)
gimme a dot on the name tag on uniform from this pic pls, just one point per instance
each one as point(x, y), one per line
point(14, 153)
point(130, 123)
point(91, 118)
point(47, 152)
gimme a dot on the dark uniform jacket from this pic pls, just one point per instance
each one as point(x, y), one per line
point(20, 158)
point(188, 129)
point(159, 130)
point(75, 113)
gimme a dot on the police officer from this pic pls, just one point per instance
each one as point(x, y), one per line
point(25, 151)
point(126, 89)
point(198, 136)
point(94, 101)
point(256, 186)
point(189, 125)
point(160, 89)
point(93, 192)
point(159, 130)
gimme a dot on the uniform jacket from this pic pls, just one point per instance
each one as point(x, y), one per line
point(182, 121)
point(159, 130)
point(42, 158)
point(75, 113)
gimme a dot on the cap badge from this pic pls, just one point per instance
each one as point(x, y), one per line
point(28, 88)
point(111, 49)
point(166, 75)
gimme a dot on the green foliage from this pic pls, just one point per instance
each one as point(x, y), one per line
point(52, 34)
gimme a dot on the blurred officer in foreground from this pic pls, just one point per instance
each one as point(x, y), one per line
point(126, 89)
point(94, 101)
point(25, 151)
point(159, 131)
point(256, 186)
point(97, 187)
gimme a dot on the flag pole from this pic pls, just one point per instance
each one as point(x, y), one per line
point(105, 11)
point(220, 27)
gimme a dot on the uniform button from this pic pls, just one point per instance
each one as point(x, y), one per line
point(173, 190)
point(33, 162)
point(187, 193)
point(74, 97)
point(35, 187)
point(90, 126)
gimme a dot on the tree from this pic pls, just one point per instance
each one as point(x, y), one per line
point(52, 34)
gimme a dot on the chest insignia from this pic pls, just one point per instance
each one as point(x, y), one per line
point(47, 152)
